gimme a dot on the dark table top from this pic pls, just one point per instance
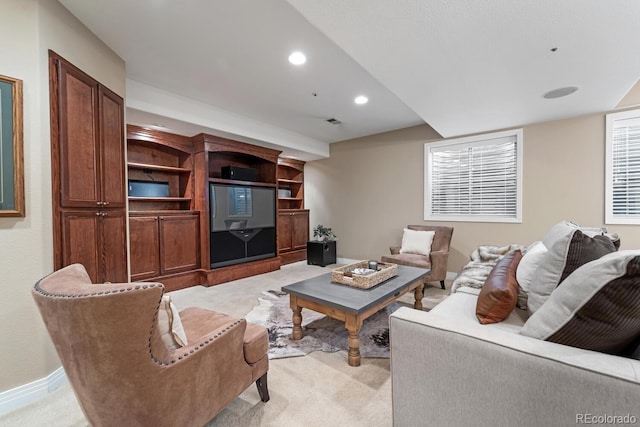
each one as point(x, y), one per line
point(349, 298)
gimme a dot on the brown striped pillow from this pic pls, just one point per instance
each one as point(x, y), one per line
point(565, 256)
point(596, 308)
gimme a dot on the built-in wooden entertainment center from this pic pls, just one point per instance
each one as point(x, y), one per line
point(207, 227)
point(201, 210)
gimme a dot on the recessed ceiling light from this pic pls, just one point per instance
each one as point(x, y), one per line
point(297, 58)
point(559, 93)
point(361, 100)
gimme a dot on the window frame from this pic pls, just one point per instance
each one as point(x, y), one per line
point(611, 119)
point(475, 140)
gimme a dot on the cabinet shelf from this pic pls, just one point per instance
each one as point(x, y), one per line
point(159, 199)
point(289, 181)
point(134, 165)
point(289, 198)
point(173, 212)
point(236, 182)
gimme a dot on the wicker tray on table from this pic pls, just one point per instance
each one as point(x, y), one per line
point(356, 275)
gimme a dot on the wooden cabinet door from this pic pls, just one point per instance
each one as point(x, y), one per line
point(78, 152)
point(113, 246)
point(299, 229)
point(80, 243)
point(96, 239)
point(144, 245)
point(111, 149)
point(284, 232)
point(179, 243)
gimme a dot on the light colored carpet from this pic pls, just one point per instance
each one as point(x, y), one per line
point(319, 389)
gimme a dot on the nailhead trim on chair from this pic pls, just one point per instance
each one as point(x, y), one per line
point(93, 294)
point(198, 347)
point(136, 288)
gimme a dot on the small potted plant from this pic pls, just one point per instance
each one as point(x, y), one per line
point(323, 234)
point(322, 249)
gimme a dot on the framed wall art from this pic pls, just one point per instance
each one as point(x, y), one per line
point(11, 146)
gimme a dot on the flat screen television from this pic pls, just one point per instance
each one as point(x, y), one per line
point(242, 223)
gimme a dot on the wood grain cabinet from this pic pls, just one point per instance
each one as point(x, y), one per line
point(293, 234)
point(163, 244)
point(164, 229)
point(96, 240)
point(293, 219)
point(91, 141)
point(88, 176)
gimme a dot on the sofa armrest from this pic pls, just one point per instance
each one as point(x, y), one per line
point(457, 372)
point(395, 250)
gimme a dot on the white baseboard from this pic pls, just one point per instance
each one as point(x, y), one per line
point(31, 392)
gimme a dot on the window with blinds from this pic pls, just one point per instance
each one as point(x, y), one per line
point(240, 202)
point(623, 168)
point(475, 179)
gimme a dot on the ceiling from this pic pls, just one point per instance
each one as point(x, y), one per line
point(462, 66)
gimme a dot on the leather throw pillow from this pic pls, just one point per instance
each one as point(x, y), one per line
point(499, 294)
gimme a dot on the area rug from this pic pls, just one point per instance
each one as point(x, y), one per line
point(320, 332)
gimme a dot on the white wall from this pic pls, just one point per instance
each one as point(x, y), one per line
point(29, 28)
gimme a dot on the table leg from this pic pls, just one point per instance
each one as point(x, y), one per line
point(353, 325)
point(296, 334)
point(417, 293)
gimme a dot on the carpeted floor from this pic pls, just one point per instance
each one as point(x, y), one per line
point(315, 390)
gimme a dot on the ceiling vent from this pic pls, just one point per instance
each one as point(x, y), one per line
point(334, 121)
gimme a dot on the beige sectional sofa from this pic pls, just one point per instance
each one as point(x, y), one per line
point(449, 370)
point(476, 359)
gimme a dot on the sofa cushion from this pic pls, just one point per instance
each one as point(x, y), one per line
point(563, 228)
point(596, 308)
point(529, 263)
point(170, 325)
point(565, 255)
point(416, 242)
point(199, 322)
point(256, 343)
point(412, 260)
point(499, 294)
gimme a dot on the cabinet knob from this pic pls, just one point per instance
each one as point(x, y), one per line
point(105, 203)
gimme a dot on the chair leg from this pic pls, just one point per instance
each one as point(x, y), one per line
point(442, 284)
point(261, 383)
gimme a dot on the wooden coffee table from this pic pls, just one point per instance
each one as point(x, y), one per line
point(349, 304)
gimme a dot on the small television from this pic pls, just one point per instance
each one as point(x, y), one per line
point(242, 223)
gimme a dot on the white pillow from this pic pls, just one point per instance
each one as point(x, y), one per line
point(417, 242)
point(563, 228)
point(170, 325)
point(528, 264)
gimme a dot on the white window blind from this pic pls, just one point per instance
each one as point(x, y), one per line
point(240, 201)
point(474, 179)
point(623, 168)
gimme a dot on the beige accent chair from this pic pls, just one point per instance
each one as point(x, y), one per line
point(437, 259)
point(122, 372)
